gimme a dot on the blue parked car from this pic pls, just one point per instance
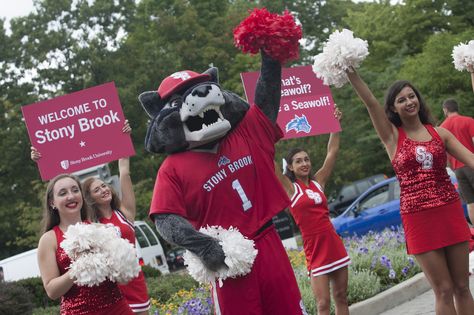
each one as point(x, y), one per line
point(376, 209)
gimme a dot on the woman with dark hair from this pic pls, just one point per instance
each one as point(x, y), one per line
point(326, 257)
point(107, 208)
point(64, 206)
point(433, 220)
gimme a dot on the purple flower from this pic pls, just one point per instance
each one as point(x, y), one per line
point(385, 261)
point(405, 270)
point(411, 261)
point(363, 250)
point(392, 274)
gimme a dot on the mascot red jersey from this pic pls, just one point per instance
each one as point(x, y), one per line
point(220, 170)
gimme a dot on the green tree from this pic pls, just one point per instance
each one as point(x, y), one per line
point(433, 72)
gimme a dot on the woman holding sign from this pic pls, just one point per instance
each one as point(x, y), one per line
point(64, 206)
point(326, 256)
point(107, 208)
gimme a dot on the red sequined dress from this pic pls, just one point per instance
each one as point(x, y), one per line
point(102, 299)
point(430, 207)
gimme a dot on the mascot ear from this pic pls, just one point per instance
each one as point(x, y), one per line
point(151, 103)
point(214, 73)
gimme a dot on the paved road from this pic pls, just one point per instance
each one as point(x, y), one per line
point(421, 305)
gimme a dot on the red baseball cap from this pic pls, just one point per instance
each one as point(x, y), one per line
point(178, 80)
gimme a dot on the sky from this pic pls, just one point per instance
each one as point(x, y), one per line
point(15, 8)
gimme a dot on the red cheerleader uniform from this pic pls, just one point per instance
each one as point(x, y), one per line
point(324, 249)
point(135, 291)
point(102, 299)
point(430, 207)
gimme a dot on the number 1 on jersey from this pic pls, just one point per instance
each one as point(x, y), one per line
point(246, 204)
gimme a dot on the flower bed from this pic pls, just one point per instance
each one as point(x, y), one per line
point(379, 261)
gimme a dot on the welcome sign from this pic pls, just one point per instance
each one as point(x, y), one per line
point(306, 107)
point(77, 131)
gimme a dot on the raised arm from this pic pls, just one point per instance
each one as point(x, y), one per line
point(385, 130)
point(268, 90)
point(55, 284)
point(284, 180)
point(126, 187)
point(323, 174)
point(128, 195)
point(471, 70)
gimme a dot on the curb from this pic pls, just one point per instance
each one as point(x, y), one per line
point(392, 297)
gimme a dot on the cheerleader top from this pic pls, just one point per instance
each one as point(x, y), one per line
point(420, 167)
point(84, 299)
point(309, 208)
point(124, 227)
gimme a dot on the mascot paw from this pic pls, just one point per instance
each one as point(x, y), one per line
point(214, 257)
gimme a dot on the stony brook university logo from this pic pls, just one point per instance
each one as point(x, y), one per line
point(298, 124)
point(65, 164)
point(183, 75)
point(424, 157)
point(314, 195)
point(223, 160)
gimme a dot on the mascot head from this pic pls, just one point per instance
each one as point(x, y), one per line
point(190, 110)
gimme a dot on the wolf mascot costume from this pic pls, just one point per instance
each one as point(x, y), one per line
point(220, 172)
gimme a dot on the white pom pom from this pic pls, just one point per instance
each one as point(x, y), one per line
point(123, 262)
point(341, 52)
point(239, 256)
point(463, 56)
point(89, 269)
point(98, 253)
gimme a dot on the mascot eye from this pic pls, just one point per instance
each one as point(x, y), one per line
point(176, 102)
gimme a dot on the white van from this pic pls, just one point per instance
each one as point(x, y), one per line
point(149, 252)
point(21, 266)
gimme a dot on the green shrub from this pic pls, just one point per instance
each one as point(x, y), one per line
point(363, 284)
point(150, 272)
point(306, 291)
point(15, 299)
point(163, 288)
point(35, 287)
point(383, 253)
point(52, 310)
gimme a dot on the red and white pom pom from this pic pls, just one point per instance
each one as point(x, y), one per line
point(98, 253)
point(463, 56)
point(342, 51)
point(239, 256)
point(277, 35)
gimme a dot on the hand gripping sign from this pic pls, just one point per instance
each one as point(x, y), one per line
point(306, 106)
point(77, 131)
